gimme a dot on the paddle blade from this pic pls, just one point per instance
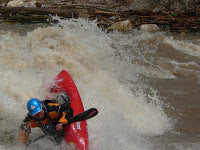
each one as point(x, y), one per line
point(87, 114)
point(83, 116)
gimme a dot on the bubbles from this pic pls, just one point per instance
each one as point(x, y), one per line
point(124, 119)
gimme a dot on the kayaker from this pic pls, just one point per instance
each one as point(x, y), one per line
point(49, 115)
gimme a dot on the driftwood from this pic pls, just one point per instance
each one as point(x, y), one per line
point(30, 14)
point(105, 18)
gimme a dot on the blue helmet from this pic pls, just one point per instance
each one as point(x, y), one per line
point(34, 106)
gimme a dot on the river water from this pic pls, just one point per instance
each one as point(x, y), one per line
point(146, 85)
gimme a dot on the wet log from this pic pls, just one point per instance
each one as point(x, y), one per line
point(104, 13)
point(5, 11)
point(34, 15)
point(28, 19)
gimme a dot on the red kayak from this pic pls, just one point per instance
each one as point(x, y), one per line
point(75, 133)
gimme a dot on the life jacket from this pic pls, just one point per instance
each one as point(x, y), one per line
point(47, 126)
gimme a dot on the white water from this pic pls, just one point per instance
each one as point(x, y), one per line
point(100, 66)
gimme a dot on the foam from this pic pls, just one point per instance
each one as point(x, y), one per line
point(185, 46)
point(30, 62)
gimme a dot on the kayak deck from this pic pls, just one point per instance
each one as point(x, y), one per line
point(75, 133)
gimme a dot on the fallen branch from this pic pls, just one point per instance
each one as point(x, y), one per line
point(104, 13)
point(38, 11)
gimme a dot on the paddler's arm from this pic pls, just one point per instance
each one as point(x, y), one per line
point(67, 113)
point(23, 133)
point(25, 129)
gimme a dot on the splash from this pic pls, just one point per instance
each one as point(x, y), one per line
point(187, 47)
point(29, 62)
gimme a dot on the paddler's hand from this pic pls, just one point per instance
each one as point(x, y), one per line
point(22, 137)
point(59, 127)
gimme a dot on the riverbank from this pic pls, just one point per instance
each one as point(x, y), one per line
point(106, 13)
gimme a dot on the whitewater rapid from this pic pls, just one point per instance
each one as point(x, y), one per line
point(106, 68)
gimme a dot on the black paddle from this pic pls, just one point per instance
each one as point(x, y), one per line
point(83, 116)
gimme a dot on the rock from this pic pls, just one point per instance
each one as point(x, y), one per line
point(37, 4)
point(15, 3)
point(149, 27)
point(121, 26)
point(21, 3)
point(159, 8)
point(113, 18)
point(29, 3)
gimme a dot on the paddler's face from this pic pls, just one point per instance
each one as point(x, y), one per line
point(39, 115)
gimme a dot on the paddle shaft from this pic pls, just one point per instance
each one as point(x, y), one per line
point(83, 116)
